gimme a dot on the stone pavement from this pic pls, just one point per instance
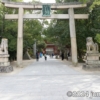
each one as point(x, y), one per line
point(49, 80)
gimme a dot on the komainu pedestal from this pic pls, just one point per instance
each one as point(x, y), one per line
point(92, 55)
point(4, 61)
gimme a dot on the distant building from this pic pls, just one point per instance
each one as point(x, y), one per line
point(51, 49)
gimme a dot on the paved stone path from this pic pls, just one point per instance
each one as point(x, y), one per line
point(49, 80)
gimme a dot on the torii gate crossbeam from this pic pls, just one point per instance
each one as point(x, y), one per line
point(53, 16)
point(20, 16)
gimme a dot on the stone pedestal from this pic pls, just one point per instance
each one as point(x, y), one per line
point(5, 64)
point(92, 61)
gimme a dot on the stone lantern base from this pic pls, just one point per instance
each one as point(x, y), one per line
point(6, 69)
point(92, 61)
point(5, 64)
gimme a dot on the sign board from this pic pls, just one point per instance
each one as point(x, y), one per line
point(46, 10)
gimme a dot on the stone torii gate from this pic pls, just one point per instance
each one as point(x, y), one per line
point(20, 16)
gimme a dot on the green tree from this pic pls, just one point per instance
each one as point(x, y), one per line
point(41, 45)
point(9, 30)
point(58, 31)
point(95, 22)
point(32, 30)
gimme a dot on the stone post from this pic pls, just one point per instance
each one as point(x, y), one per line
point(20, 38)
point(73, 36)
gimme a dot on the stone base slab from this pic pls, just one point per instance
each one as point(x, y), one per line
point(6, 69)
point(93, 52)
point(92, 56)
point(4, 55)
point(93, 62)
point(5, 64)
point(91, 67)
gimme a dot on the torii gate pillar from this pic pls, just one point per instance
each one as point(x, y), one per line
point(20, 38)
point(73, 36)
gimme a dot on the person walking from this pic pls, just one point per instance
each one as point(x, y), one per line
point(52, 55)
point(62, 55)
point(37, 56)
point(45, 56)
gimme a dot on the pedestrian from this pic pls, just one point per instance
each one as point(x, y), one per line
point(68, 54)
point(52, 55)
point(37, 56)
point(62, 55)
point(40, 54)
point(45, 56)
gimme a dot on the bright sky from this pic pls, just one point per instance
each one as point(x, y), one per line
point(43, 1)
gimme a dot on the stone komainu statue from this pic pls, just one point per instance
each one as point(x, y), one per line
point(91, 46)
point(4, 46)
point(4, 61)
